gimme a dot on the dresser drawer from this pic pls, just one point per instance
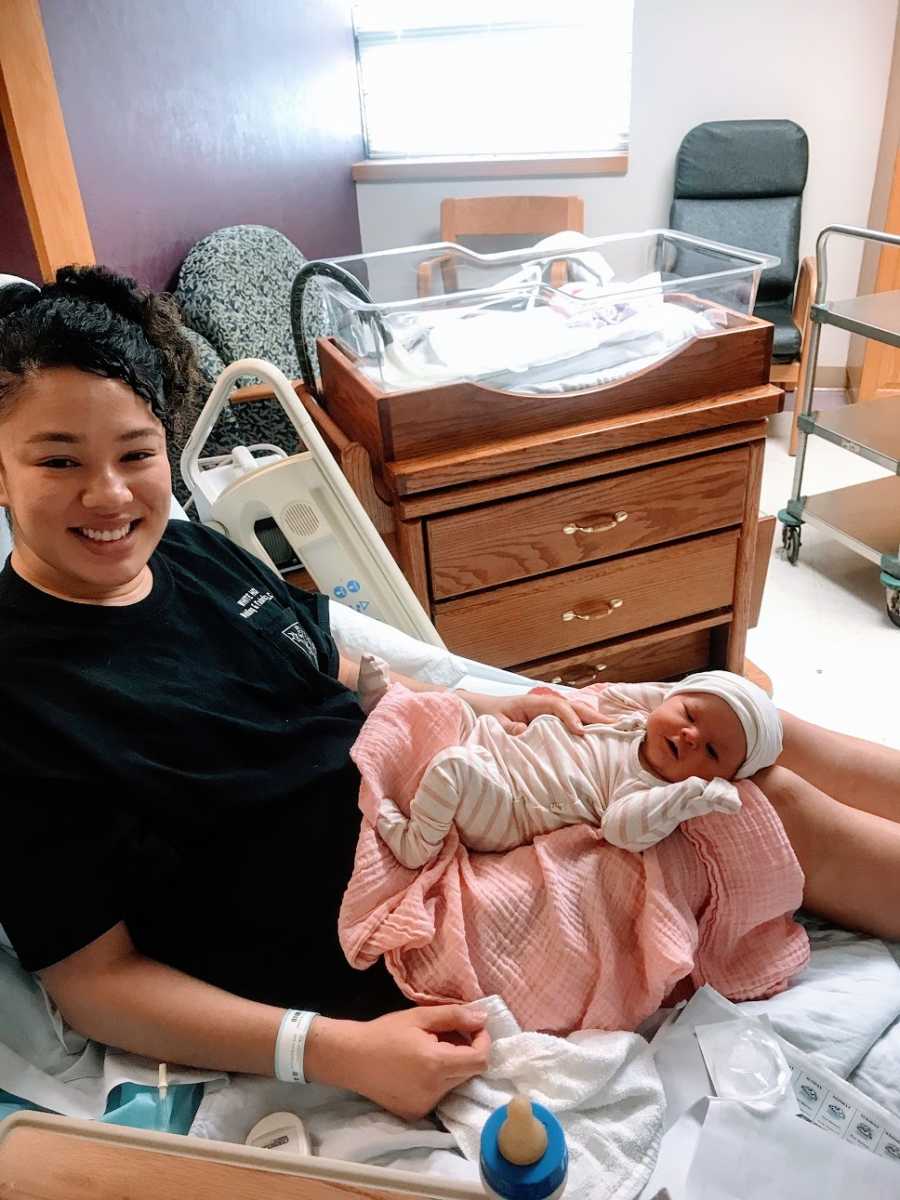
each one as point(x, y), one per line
point(569, 526)
point(639, 659)
point(556, 613)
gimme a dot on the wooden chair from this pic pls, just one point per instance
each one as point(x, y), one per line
point(792, 376)
point(500, 216)
point(480, 216)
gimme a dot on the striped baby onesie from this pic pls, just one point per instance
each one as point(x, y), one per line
point(501, 791)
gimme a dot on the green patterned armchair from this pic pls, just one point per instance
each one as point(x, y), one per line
point(234, 291)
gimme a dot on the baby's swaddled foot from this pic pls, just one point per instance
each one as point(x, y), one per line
point(403, 838)
point(721, 796)
point(417, 839)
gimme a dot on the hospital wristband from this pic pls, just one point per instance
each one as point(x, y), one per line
point(290, 1045)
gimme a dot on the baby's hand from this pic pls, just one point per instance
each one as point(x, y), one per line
point(694, 787)
point(628, 723)
point(374, 680)
point(721, 796)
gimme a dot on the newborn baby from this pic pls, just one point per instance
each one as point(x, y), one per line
point(638, 779)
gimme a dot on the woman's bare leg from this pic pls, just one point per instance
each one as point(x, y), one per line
point(850, 858)
point(861, 774)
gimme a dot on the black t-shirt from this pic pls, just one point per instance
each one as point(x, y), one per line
point(181, 764)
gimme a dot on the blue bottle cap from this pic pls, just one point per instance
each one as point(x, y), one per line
point(536, 1181)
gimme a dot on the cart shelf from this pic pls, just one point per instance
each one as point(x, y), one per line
point(876, 317)
point(871, 430)
point(865, 517)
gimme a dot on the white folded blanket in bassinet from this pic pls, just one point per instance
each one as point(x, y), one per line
point(518, 336)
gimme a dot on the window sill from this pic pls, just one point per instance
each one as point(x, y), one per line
point(387, 170)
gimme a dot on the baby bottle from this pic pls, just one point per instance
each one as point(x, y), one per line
point(523, 1153)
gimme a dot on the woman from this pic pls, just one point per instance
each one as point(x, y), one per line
point(176, 728)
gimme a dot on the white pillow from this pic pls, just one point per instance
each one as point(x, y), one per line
point(357, 634)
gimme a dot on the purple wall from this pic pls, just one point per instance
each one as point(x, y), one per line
point(185, 116)
point(17, 256)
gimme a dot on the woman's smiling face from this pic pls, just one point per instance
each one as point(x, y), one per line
point(84, 472)
point(694, 733)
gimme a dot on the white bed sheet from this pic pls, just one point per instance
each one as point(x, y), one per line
point(844, 1010)
point(841, 1012)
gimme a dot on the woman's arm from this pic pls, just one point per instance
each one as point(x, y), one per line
point(110, 992)
point(514, 712)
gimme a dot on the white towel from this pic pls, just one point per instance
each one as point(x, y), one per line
point(603, 1088)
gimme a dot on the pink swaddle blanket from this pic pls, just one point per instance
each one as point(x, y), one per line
point(573, 933)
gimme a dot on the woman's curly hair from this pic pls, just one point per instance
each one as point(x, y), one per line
point(104, 323)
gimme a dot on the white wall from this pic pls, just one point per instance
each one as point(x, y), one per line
point(822, 63)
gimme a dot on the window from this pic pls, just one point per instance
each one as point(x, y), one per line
point(494, 78)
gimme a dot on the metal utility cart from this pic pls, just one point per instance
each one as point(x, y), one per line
point(865, 517)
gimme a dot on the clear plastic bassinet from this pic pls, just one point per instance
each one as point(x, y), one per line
point(569, 314)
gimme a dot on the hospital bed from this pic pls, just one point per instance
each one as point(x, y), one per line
point(844, 1010)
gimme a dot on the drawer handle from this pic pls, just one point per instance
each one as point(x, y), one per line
point(611, 606)
point(580, 676)
point(604, 523)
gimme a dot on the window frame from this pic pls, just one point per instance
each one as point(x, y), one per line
point(387, 170)
point(384, 168)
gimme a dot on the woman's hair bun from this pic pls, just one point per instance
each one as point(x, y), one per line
point(96, 320)
point(118, 292)
point(16, 296)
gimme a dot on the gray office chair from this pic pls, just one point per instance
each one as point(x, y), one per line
point(742, 182)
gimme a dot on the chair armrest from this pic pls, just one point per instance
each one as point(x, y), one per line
point(425, 275)
point(259, 391)
point(335, 438)
point(803, 297)
point(804, 292)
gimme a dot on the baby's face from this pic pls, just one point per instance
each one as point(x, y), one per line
point(694, 733)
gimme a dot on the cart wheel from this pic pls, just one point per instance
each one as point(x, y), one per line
point(892, 603)
point(790, 539)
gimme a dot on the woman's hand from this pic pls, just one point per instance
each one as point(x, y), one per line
point(405, 1061)
point(516, 712)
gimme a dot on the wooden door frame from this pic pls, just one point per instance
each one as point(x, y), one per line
point(873, 369)
point(39, 145)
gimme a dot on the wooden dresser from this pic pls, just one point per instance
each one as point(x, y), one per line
point(618, 548)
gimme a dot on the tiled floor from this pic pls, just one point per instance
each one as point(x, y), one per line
point(823, 635)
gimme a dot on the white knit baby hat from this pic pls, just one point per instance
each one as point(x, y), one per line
point(757, 714)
